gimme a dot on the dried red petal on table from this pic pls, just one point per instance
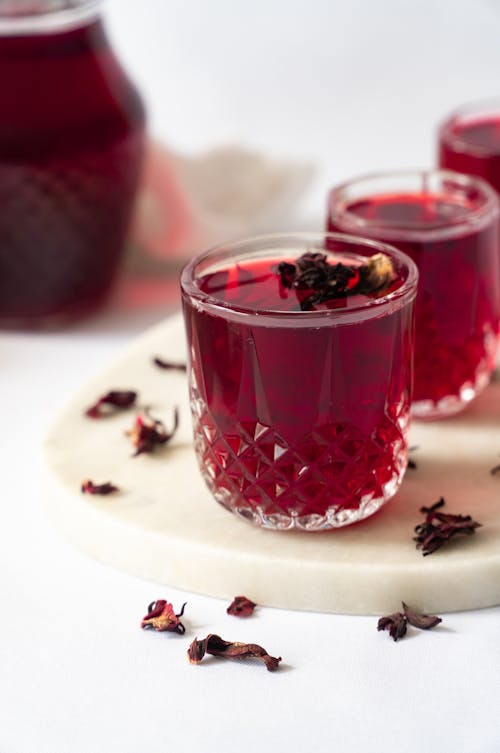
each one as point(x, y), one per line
point(241, 607)
point(161, 617)
point(147, 433)
point(168, 365)
point(421, 621)
point(395, 624)
point(111, 402)
point(88, 487)
point(216, 646)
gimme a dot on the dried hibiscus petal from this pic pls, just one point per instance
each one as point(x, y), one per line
point(147, 433)
point(110, 402)
point(216, 646)
point(421, 621)
point(323, 281)
point(397, 623)
point(376, 273)
point(439, 527)
point(411, 463)
point(161, 617)
point(88, 487)
point(241, 607)
point(287, 273)
point(394, 623)
point(169, 365)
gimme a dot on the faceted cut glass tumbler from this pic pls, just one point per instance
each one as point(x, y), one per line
point(300, 417)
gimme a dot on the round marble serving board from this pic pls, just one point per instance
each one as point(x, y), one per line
point(164, 525)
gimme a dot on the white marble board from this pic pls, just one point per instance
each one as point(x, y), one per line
point(164, 525)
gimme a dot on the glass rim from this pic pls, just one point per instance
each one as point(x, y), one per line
point(53, 19)
point(354, 223)
point(397, 298)
point(469, 110)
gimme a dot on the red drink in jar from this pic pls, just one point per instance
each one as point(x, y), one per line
point(71, 140)
point(448, 224)
point(469, 141)
point(300, 415)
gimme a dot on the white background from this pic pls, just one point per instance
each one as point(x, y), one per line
point(352, 86)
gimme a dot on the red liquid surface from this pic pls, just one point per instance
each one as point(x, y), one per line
point(458, 303)
point(71, 132)
point(256, 285)
point(297, 425)
point(473, 147)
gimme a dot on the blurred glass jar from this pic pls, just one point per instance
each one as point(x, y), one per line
point(71, 145)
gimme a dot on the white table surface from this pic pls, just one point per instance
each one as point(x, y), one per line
point(352, 87)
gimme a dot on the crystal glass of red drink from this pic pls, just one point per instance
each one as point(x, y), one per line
point(448, 224)
point(300, 410)
point(469, 141)
point(71, 143)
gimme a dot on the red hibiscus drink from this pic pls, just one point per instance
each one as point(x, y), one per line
point(469, 141)
point(300, 376)
point(448, 224)
point(71, 142)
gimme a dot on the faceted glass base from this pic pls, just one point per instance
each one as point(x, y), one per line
point(453, 404)
point(331, 478)
point(334, 517)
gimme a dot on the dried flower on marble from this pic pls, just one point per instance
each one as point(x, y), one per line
point(89, 487)
point(241, 607)
point(169, 365)
point(411, 463)
point(111, 402)
point(439, 527)
point(216, 646)
point(148, 433)
point(161, 617)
